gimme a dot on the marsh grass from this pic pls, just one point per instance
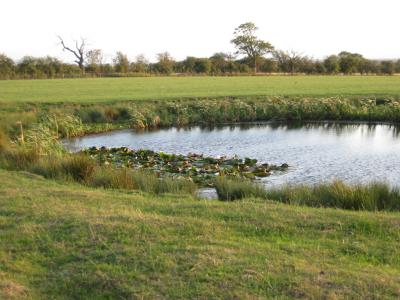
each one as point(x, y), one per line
point(81, 168)
point(78, 167)
point(235, 189)
point(372, 196)
point(123, 178)
point(337, 194)
point(4, 141)
point(74, 119)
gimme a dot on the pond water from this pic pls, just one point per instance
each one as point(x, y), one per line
point(317, 152)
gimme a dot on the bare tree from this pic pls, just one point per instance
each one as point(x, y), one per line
point(289, 61)
point(79, 52)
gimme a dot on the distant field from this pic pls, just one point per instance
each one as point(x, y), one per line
point(115, 89)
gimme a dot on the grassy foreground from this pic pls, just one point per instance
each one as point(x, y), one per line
point(116, 89)
point(67, 241)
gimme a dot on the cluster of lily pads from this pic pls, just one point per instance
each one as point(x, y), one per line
point(197, 167)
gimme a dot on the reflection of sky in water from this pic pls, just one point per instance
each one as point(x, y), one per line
point(315, 152)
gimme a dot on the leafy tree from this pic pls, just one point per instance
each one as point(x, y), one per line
point(189, 64)
point(247, 43)
point(165, 64)
point(222, 63)
point(121, 62)
point(320, 67)
point(27, 67)
point(397, 66)
point(350, 62)
point(48, 66)
point(388, 67)
point(331, 64)
point(267, 65)
point(140, 65)
point(7, 67)
point(202, 65)
point(94, 60)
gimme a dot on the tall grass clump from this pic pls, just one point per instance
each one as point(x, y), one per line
point(234, 189)
point(373, 196)
point(124, 178)
point(69, 167)
point(151, 183)
point(78, 167)
point(4, 141)
point(112, 178)
point(17, 159)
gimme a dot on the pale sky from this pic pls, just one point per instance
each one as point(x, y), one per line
point(199, 28)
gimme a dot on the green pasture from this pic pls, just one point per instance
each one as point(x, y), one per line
point(115, 89)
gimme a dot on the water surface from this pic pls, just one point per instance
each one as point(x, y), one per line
point(356, 153)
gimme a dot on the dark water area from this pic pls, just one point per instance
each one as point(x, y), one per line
point(315, 152)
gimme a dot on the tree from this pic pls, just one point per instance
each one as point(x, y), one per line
point(331, 64)
point(121, 62)
point(7, 67)
point(289, 61)
point(388, 67)
point(247, 43)
point(94, 60)
point(202, 65)
point(268, 65)
point(189, 64)
point(350, 62)
point(397, 66)
point(79, 52)
point(141, 64)
point(28, 67)
point(219, 63)
point(165, 63)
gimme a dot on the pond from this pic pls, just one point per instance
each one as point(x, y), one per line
point(315, 152)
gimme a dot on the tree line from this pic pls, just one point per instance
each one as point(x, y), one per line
point(252, 56)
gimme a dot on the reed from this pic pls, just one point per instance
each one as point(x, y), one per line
point(234, 189)
point(373, 196)
point(123, 178)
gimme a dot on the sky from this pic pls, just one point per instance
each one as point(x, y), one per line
point(199, 28)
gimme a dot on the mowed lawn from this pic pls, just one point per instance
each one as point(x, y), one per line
point(115, 89)
point(65, 241)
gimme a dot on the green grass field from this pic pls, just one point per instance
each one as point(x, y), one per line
point(63, 240)
point(66, 241)
point(114, 89)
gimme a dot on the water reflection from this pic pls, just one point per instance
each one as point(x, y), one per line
point(315, 151)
